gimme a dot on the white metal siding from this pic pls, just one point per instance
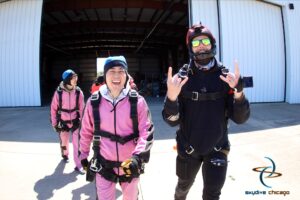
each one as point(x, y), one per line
point(292, 19)
point(252, 32)
point(20, 23)
point(206, 12)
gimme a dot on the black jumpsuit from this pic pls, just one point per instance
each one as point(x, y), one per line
point(202, 111)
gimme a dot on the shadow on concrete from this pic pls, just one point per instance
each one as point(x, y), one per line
point(86, 190)
point(89, 190)
point(32, 124)
point(46, 186)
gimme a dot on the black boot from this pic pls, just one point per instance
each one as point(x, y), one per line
point(79, 171)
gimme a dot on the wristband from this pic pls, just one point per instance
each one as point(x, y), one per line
point(239, 87)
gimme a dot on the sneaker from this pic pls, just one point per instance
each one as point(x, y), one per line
point(65, 158)
point(79, 171)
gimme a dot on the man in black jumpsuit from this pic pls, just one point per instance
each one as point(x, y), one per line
point(201, 98)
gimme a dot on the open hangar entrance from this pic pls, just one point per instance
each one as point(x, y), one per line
point(149, 33)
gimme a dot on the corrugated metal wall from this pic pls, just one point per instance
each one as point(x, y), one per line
point(206, 12)
point(252, 32)
point(292, 19)
point(20, 41)
point(20, 23)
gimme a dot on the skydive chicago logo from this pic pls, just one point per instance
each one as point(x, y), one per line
point(264, 170)
point(265, 173)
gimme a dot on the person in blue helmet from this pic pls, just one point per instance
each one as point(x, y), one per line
point(66, 112)
point(201, 98)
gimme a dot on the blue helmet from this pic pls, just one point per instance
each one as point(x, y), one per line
point(67, 76)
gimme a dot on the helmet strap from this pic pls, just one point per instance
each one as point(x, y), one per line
point(205, 64)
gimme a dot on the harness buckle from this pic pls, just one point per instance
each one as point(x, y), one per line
point(94, 167)
point(97, 138)
point(59, 125)
point(133, 94)
point(217, 149)
point(95, 96)
point(190, 150)
point(195, 96)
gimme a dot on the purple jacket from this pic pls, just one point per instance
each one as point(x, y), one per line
point(68, 102)
point(115, 118)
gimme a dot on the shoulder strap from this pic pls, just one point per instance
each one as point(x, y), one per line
point(95, 102)
point(77, 101)
point(133, 97)
point(58, 114)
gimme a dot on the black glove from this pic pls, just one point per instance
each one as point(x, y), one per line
point(85, 164)
point(132, 166)
point(56, 129)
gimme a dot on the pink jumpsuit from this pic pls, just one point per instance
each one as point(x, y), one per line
point(68, 103)
point(115, 118)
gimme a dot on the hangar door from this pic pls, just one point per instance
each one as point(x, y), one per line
point(252, 32)
point(20, 23)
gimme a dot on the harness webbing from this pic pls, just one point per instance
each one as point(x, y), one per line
point(198, 96)
point(75, 121)
point(133, 110)
point(105, 167)
point(117, 138)
point(95, 101)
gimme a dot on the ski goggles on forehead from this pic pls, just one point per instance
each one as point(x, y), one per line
point(204, 41)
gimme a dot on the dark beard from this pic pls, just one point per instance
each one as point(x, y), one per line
point(203, 62)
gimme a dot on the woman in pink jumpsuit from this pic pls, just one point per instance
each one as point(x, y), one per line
point(115, 121)
point(66, 112)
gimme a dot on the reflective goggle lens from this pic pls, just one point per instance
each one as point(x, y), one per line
point(205, 41)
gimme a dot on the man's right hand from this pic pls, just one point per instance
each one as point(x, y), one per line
point(174, 85)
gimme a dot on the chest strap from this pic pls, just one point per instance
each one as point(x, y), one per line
point(196, 96)
point(60, 109)
point(118, 138)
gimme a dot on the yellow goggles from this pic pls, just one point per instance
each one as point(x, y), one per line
point(204, 41)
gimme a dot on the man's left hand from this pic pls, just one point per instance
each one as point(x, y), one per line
point(230, 78)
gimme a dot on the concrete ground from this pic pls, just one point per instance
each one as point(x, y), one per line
point(31, 167)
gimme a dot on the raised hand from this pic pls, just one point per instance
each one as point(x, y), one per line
point(232, 79)
point(174, 85)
